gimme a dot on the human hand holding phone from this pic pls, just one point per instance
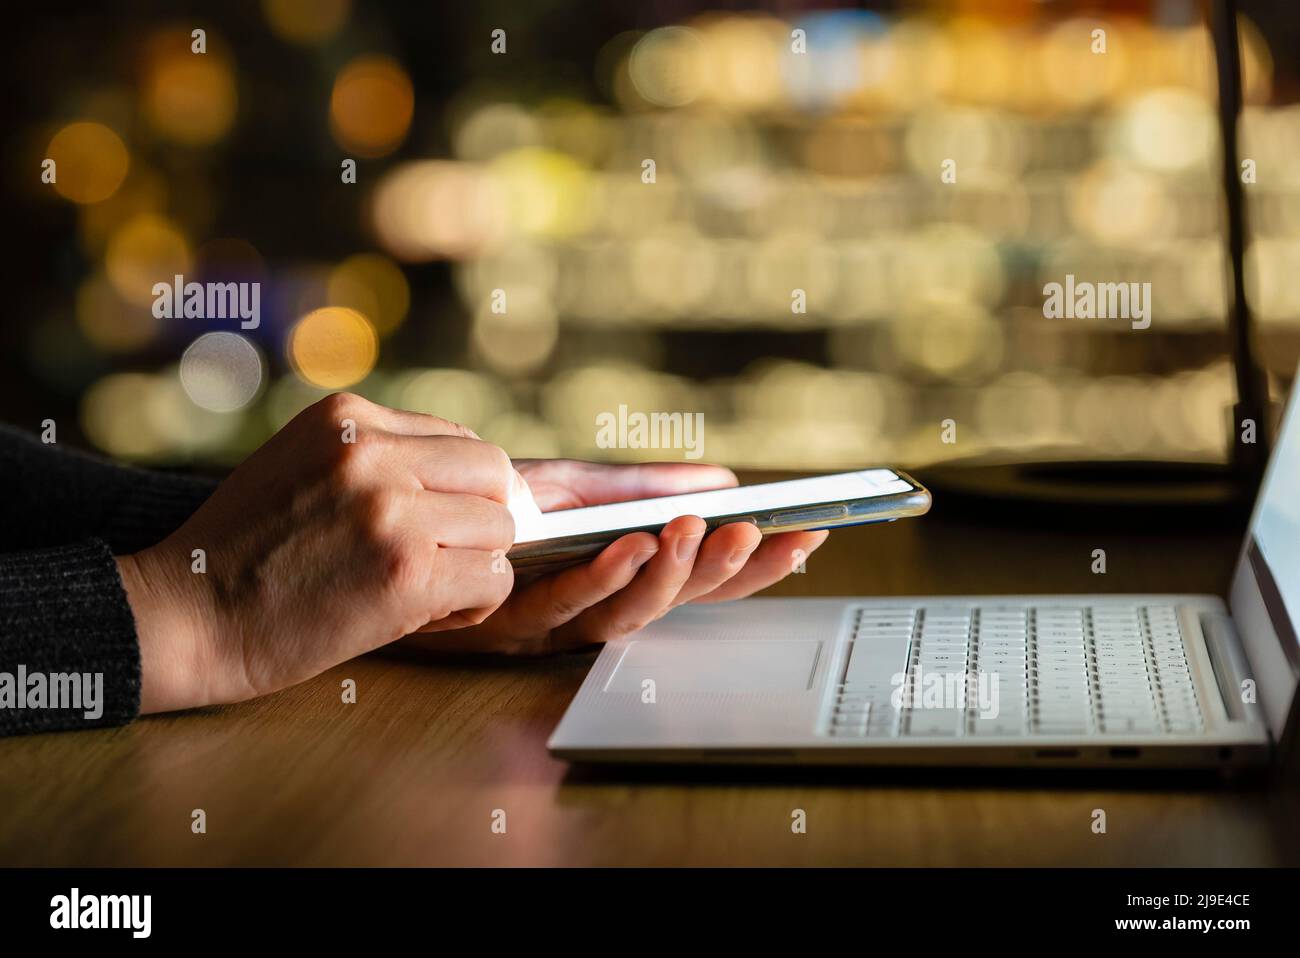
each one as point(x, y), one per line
point(640, 576)
point(354, 525)
point(357, 524)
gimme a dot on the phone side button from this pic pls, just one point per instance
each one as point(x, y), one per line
point(802, 516)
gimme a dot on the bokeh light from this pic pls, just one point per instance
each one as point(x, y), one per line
point(90, 162)
point(371, 106)
point(333, 347)
point(144, 251)
point(374, 286)
point(667, 66)
point(115, 413)
point(221, 372)
point(306, 22)
point(519, 340)
point(469, 398)
point(110, 321)
point(438, 210)
point(188, 97)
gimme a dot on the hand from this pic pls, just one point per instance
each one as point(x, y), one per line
point(318, 549)
point(636, 579)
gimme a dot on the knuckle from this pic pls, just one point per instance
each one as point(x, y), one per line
point(503, 584)
point(477, 616)
point(499, 586)
point(439, 609)
point(337, 406)
point(406, 567)
point(377, 511)
point(501, 471)
point(501, 524)
point(451, 428)
point(349, 462)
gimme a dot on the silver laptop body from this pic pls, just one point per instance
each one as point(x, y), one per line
point(1151, 680)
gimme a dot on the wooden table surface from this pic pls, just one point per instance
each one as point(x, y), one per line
point(413, 773)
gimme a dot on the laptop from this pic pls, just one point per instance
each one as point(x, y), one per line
point(1179, 681)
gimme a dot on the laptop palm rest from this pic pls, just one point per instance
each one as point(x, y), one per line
point(720, 665)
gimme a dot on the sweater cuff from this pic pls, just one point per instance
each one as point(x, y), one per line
point(69, 657)
point(156, 505)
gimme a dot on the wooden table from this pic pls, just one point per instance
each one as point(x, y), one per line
point(413, 772)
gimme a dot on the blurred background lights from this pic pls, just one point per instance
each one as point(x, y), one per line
point(469, 398)
point(374, 286)
point(221, 371)
point(544, 191)
point(947, 339)
point(437, 210)
point(520, 339)
point(1121, 205)
point(146, 250)
point(839, 64)
point(742, 60)
point(143, 191)
point(667, 66)
point(1169, 130)
point(496, 128)
point(109, 321)
point(90, 162)
point(113, 416)
point(306, 21)
point(775, 171)
point(371, 106)
point(188, 97)
point(1069, 69)
point(524, 435)
point(226, 259)
point(190, 429)
point(333, 347)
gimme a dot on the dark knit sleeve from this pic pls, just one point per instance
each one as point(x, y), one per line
point(69, 655)
point(51, 496)
point(69, 658)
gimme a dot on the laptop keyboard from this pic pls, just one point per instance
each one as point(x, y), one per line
point(996, 670)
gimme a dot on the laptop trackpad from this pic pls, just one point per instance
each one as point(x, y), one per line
point(717, 665)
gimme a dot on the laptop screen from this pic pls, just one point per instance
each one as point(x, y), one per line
point(1266, 591)
point(1274, 546)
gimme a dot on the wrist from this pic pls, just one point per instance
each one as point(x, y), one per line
point(165, 615)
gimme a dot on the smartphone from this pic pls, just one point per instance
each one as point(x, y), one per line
point(569, 536)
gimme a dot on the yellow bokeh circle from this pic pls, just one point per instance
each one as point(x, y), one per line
point(144, 251)
point(371, 106)
point(90, 162)
point(188, 97)
point(306, 21)
point(333, 347)
point(374, 286)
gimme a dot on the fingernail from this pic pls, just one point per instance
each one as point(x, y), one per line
point(687, 547)
point(641, 558)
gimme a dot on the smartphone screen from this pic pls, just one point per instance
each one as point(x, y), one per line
point(737, 501)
